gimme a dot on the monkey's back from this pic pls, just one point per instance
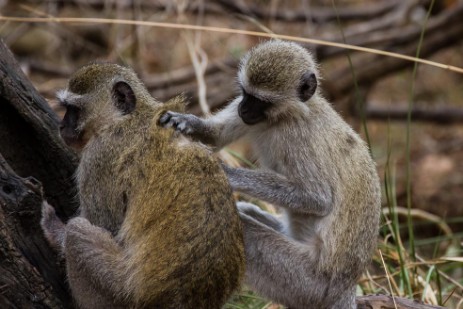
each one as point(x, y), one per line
point(354, 222)
point(346, 165)
point(336, 156)
point(181, 230)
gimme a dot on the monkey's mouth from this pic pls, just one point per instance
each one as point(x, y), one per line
point(252, 111)
point(73, 139)
point(250, 118)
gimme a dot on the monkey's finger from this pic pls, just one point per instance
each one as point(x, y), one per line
point(165, 119)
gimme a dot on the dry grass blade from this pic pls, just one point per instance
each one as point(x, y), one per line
point(421, 214)
point(388, 277)
point(452, 259)
point(230, 31)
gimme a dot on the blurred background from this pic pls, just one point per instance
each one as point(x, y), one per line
point(412, 115)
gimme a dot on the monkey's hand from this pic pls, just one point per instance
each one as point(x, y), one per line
point(53, 227)
point(82, 236)
point(187, 124)
point(80, 229)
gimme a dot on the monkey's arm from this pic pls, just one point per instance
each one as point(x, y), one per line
point(52, 226)
point(217, 131)
point(313, 198)
point(94, 257)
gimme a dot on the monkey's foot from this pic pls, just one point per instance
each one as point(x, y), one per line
point(260, 215)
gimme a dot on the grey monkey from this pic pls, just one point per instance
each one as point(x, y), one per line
point(313, 165)
point(158, 226)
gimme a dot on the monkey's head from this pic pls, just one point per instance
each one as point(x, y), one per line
point(98, 95)
point(276, 79)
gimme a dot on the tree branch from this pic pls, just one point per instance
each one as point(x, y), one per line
point(387, 302)
point(442, 31)
point(441, 115)
point(317, 15)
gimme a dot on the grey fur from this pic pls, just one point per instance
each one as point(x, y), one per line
point(315, 167)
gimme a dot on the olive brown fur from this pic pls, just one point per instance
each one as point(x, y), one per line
point(158, 227)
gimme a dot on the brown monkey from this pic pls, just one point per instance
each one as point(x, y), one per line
point(314, 166)
point(158, 227)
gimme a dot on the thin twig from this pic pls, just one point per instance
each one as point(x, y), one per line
point(388, 278)
point(229, 31)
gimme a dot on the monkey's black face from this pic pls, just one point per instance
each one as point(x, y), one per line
point(252, 109)
point(69, 131)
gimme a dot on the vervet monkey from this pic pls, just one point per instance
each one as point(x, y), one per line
point(158, 227)
point(313, 165)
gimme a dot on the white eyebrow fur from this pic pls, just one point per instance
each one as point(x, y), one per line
point(66, 95)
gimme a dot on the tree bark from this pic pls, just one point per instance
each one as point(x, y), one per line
point(31, 275)
point(31, 154)
point(29, 137)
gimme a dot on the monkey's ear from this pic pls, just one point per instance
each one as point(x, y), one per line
point(124, 97)
point(308, 86)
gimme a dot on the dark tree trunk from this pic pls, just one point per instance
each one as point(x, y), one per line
point(29, 137)
point(31, 275)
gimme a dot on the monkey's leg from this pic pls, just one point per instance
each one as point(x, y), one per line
point(95, 264)
point(286, 271)
point(260, 215)
point(312, 197)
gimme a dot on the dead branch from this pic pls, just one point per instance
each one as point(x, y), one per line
point(441, 115)
point(317, 15)
point(166, 6)
point(48, 68)
point(395, 26)
point(389, 302)
point(442, 31)
point(221, 87)
point(187, 74)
